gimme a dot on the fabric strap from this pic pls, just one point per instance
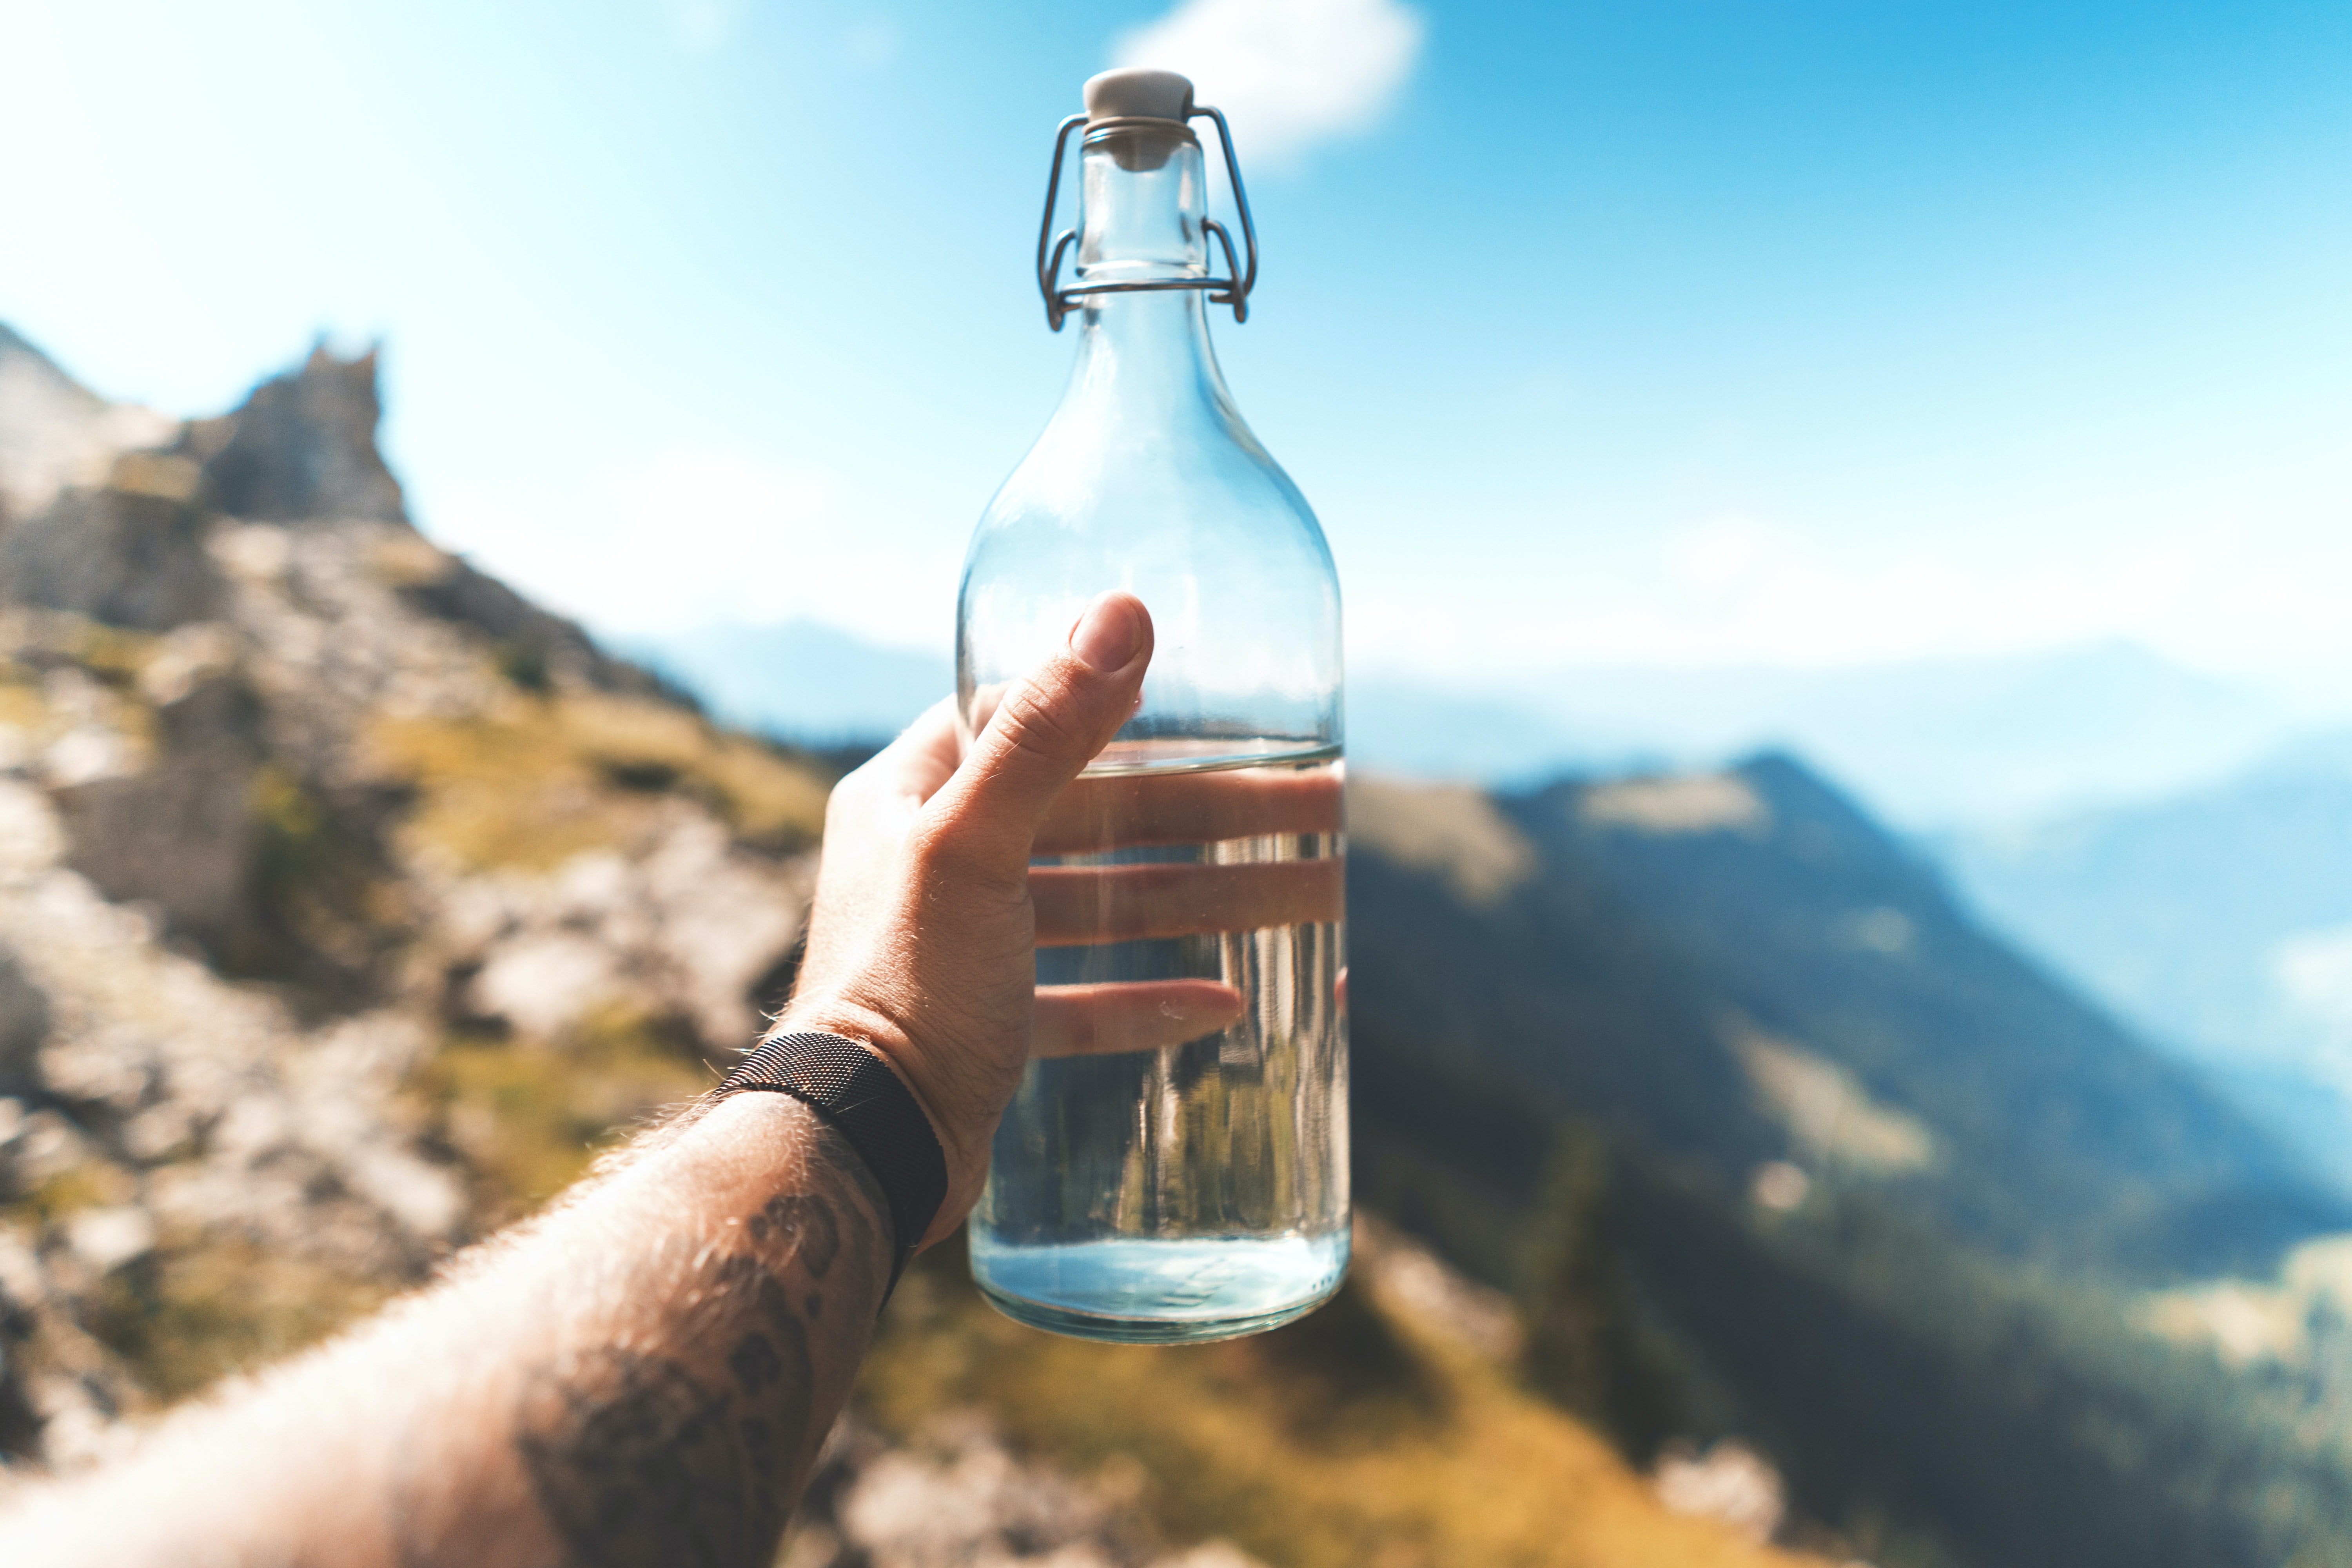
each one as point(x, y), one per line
point(860, 1098)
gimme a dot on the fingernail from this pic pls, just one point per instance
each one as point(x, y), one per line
point(1107, 634)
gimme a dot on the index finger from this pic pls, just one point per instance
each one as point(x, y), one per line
point(1192, 808)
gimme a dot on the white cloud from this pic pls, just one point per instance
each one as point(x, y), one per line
point(1734, 589)
point(1288, 73)
point(2217, 594)
point(2237, 570)
point(1737, 590)
point(2313, 970)
point(701, 533)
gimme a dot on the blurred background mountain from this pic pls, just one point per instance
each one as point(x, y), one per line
point(349, 904)
point(2176, 847)
point(1843, 515)
point(2217, 920)
point(1937, 745)
point(1731, 1188)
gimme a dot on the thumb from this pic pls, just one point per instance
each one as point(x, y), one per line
point(1047, 728)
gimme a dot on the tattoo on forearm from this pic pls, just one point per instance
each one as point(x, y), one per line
point(634, 1461)
point(809, 1221)
point(638, 1458)
point(776, 1383)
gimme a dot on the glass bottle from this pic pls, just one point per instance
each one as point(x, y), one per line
point(1174, 1166)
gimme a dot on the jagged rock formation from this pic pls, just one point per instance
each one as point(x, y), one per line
point(318, 850)
point(347, 899)
point(290, 799)
point(302, 447)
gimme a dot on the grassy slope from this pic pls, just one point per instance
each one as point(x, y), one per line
point(556, 776)
point(1347, 1439)
point(1350, 1438)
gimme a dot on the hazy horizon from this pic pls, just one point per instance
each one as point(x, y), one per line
point(1824, 339)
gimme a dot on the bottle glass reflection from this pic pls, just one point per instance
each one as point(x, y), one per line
point(1175, 1164)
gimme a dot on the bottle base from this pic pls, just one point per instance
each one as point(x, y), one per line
point(1180, 1291)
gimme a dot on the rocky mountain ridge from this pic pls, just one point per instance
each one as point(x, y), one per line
point(1740, 967)
point(1847, 1177)
point(253, 876)
point(348, 902)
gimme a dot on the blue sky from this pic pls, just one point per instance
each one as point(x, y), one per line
point(1802, 334)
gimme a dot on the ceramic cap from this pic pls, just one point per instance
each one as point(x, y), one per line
point(1135, 92)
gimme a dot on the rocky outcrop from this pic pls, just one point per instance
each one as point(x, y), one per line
point(302, 449)
point(693, 920)
point(125, 557)
point(24, 1026)
point(181, 834)
point(959, 1498)
point(255, 727)
point(159, 1107)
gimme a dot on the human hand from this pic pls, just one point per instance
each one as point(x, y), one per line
point(928, 912)
point(921, 939)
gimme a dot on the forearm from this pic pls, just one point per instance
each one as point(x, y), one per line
point(642, 1376)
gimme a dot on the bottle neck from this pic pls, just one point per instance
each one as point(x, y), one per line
point(1146, 352)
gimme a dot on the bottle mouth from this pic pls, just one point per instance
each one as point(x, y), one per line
point(1138, 145)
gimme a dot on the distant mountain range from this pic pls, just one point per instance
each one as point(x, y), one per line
point(801, 678)
point(1848, 1172)
point(1741, 967)
point(1925, 743)
point(2218, 921)
point(1929, 744)
point(1777, 1141)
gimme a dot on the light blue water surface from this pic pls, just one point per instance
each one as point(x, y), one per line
point(1173, 1291)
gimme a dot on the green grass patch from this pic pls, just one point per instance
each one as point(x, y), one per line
point(528, 1118)
point(1347, 1439)
point(200, 1308)
point(551, 778)
point(63, 1193)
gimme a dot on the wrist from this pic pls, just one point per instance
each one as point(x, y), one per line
point(877, 1031)
point(854, 1091)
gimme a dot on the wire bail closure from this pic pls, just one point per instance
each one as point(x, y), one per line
point(1060, 303)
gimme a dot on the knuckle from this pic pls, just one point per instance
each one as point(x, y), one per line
point(1034, 722)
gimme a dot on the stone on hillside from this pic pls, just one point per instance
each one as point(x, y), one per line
point(302, 448)
point(959, 1496)
point(691, 926)
point(1410, 1278)
point(121, 557)
point(107, 1239)
point(203, 648)
point(182, 834)
point(1730, 1481)
point(535, 649)
point(30, 841)
point(24, 1026)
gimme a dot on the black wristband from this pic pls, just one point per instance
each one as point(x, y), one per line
point(860, 1098)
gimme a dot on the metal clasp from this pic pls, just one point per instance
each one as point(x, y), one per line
point(1060, 303)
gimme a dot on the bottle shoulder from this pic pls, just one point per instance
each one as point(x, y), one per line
point(1210, 480)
